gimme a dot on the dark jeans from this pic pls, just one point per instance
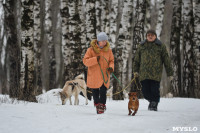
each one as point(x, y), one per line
point(99, 95)
point(150, 90)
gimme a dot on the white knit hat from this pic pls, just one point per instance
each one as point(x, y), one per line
point(102, 36)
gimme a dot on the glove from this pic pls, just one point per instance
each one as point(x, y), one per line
point(136, 74)
point(110, 69)
point(171, 78)
point(98, 58)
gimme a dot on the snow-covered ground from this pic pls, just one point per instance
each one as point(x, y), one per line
point(175, 115)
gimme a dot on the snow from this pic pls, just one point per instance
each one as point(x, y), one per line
point(49, 116)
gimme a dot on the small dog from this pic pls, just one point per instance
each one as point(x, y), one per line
point(133, 103)
point(74, 87)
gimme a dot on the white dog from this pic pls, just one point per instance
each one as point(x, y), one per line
point(74, 87)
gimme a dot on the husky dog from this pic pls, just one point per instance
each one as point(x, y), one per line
point(74, 87)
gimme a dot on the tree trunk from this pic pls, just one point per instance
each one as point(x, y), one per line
point(138, 32)
point(57, 38)
point(37, 47)
point(160, 17)
point(27, 54)
point(175, 48)
point(90, 21)
point(13, 48)
point(188, 50)
point(118, 58)
point(197, 47)
point(65, 38)
point(113, 23)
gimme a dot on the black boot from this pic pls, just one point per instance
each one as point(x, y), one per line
point(149, 107)
point(154, 106)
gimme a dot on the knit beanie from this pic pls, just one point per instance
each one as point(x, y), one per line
point(102, 36)
point(152, 32)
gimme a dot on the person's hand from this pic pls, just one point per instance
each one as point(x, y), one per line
point(110, 69)
point(136, 74)
point(171, 78)
point(98, 58)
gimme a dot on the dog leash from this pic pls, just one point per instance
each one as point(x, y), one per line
point(117, 79)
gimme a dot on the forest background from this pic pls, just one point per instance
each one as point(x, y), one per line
point(42, 42)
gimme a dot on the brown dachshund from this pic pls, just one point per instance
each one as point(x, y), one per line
point(133, 103)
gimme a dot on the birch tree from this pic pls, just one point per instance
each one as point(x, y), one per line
point(37, 47)
point(27, 54)
point(13, 48)
point(138, 31)
point(148, 16)
point(125, 37)
point(117, 84)
point(175, 47)
point(90, 21)
point(197, 46)
point(57, 38)
point(188, 50)
point(75, 65)
point(51, 48)
point(113, 22)
point(160, 17)
point(2, 50)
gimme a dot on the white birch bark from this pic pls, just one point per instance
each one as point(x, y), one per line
point(175, 47)
point(105, 10)
point(98, 13)
point(188, 50)
point(160, 17)
point(147, 16)
point(65, 38)
point(125, 36)
point(27, 57)
point(37, 47)
point(113, 23)
point(197, 46)
point(90, 21)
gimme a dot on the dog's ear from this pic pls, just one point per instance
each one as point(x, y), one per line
point(129, 94)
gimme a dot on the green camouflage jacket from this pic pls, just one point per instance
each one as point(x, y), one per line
point(149, 60)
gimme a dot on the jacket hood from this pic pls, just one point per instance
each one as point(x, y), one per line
point(93, 44)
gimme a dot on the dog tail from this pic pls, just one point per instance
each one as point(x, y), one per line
point(81, 76)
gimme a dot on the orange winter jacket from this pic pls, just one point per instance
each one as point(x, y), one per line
point(94, 75)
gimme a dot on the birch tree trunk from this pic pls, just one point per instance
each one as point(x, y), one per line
point(105, 16)
point(51, 48)
point(175, 48)
point(118, 57)
point(57, 38)
point(90, 21)
point(27, 54)
point(160, 17)
point(113, 23)
point(148, 17)
point(65, 38)
point(188, 50)
point(2, 50)
point(138, 31)
point(197, 47)
point(75, 65)
point(12, 48)
point(125, 37)
point(98, 13)
point(37, 47)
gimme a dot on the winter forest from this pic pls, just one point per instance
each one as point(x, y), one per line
point(42, 42)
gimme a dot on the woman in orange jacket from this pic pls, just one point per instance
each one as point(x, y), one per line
point(100, 62)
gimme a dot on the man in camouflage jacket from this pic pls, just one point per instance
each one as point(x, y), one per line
point(148, 63)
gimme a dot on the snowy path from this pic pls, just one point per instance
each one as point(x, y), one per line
point(55, 118)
